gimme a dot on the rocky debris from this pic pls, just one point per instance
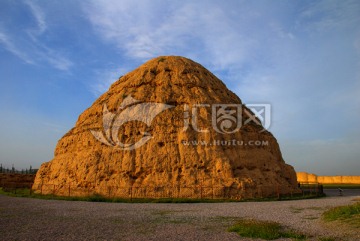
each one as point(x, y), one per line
point(154, 128)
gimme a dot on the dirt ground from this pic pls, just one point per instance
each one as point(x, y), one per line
point(36, 219)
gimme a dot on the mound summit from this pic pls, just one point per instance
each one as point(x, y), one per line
point(154, 128)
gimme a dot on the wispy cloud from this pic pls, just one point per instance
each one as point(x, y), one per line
point(29, 44)
point(39, 17)
point(224, 37)
point(10, 46)
point(326, 15)
point(55, 58)
point(152, 28)
point(104, 78)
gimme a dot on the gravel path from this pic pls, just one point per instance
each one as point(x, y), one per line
point(35, 219)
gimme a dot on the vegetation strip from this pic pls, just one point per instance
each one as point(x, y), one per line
point(98, 198)
point(264, 230)
point(349, 214)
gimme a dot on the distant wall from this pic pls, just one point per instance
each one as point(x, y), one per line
point(304, 177)
point(11, 180)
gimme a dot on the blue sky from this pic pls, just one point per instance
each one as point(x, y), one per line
point(302, 57)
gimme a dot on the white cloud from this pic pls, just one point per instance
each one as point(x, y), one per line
point(29, 44)
point(104, 79)
point(140, 30)
point(149, 29)
point(55, 58)
point(9, 45)
point(39, 17)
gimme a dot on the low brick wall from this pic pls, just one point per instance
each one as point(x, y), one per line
point(15, 180)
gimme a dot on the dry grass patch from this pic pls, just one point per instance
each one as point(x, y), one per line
point(264, 230)
point(349, 214)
